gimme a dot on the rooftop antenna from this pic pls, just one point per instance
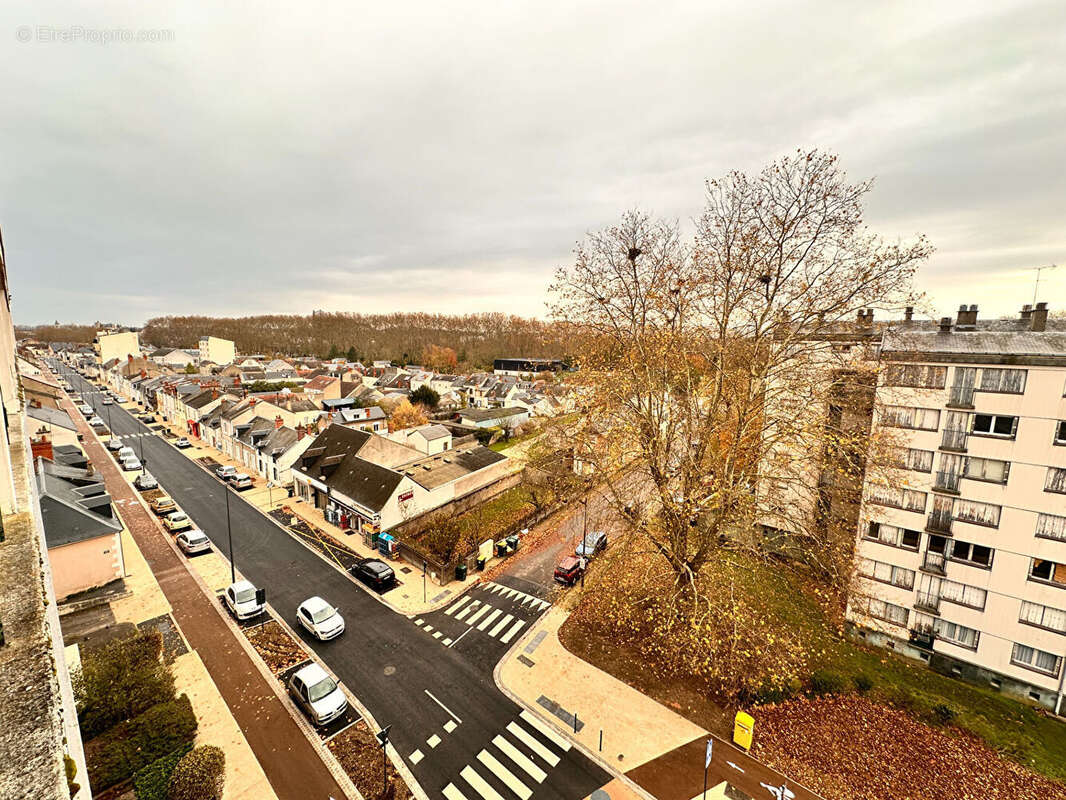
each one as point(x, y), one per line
point(1038, 270)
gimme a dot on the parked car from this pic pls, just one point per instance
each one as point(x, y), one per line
point(147, 418)
point(241, 481)
point(114, 444)
point(131, 464)
point(225, 472)
point(107, 401)
point(593, 544)
point(320, 619)
point(568, 571)
point(182, 443)
point(375, 573)
point(95, 422)
point(317, 694)
point(146, 481)
point(193, 541)
point(163, 505)
point(177, 521)
point(126, 452)
point(86, 410)
point(243, 600)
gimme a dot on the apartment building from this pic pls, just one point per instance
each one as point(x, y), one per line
point(962, 556)
point(116, 343)
point(220, 351)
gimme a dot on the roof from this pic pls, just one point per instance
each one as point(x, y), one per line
point(74, 504)
point(978, 345)
point(481, 415)
point(51, 416)
point(333, 459)
point(432, 432)
point(450, 465)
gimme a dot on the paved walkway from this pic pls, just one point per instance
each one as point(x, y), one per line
point(657, 749)
point(293, 767)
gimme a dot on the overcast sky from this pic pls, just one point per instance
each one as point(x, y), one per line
point(446, 156)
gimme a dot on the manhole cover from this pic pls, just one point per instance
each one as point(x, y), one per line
point(390, 670)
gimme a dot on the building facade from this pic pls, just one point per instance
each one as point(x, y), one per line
point(962, 558)
point(221, 351)
point(110, 344)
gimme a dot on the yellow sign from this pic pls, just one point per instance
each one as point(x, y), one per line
point(743, 730)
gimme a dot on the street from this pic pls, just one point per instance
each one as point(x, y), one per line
point(455, 729)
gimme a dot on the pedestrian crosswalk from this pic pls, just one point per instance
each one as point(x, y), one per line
point(526, 599)
point(513, 764)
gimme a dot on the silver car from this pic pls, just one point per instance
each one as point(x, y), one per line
point(317, 694)
point(193, 541)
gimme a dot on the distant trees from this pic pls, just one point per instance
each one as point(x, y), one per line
point(424, 395)
point(439, 359)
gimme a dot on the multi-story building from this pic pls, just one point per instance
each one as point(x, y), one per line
point(116, 343)
point(962, 557)
point(220, 351)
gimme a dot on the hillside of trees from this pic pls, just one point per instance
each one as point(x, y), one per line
point(476, 339)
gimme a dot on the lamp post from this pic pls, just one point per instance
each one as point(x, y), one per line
point(584, 536)
point(229, 536)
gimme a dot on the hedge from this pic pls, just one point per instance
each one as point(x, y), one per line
point(199, 775)
point(150, 783)
point(117, 754)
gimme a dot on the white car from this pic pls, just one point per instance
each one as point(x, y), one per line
point(96, 422)
point(86, 410)
point(240, 598)
point(146, 481)
point(225, 472)
point(182, 443)
point(107, 400)
point(126, 452)
point(193, 541)
point(320, 619)
point(317, 694)
point(130, 464)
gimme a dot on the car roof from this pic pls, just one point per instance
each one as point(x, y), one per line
point(568, 562)
point(239, 585)
point(314, 603)
point(376, 565)
point(193, 533)
point(311, 674)
point(178, 513)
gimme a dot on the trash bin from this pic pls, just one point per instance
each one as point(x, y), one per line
point(501, 548)
point(481, 565)
point(512, 543)
point(292, 491)
point(460, 572)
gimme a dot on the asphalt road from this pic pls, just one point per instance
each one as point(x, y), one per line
point(460, 735)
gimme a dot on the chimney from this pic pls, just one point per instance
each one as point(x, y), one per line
point(278, 422)
point(945, 325)
point(300, 432)
point(967, 317)
point(908, 314)
point(1039, 318)
point(1027, 313)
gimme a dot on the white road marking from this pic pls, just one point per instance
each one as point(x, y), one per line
point(439, 703)
point(437, 634)
point(495, 587)
point(416, 756)
point(450, 726)
point(510, 593)
point(504, 774)
point(478, 614)
point(546, 729)
point(501, 625)
point(518, 757)
point(455, 606)
point(427, 628)
point(446, 642)
point(433, 740)
point(488, 620)
point(468, 609)
point(735, 766)
point(479, 784)
point(532, 743)
point(507, 637)
point(460, 636)
point(419, 621)
point(451, 793)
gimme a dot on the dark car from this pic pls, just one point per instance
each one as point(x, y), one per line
point(568, 571)
point(374, 573)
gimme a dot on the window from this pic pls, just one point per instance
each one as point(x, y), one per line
point(987, 469)
point(1041, 569)
point(977, 513)
point(887, 573)
point(879, 609)
point(963, 594)
point(975, 554)
point(948, 631)
point(1060, 432)
point(923, 419)
point(917, 460)
point(1049, 526)
point(1054, 619)
point(995, 425)
point(1056, 480)
point(1011, 381)
point(916, 375)
point(893, 535)
point(1031, 658)
point(896, 497)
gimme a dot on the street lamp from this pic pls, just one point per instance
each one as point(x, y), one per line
point(229, 535)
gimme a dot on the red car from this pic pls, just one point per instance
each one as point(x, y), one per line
point(568, 572)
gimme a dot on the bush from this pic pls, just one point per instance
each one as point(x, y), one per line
point(767, 694)
point(199, 775)
point(825, 682)
point(121, 680)
point(151, 782)
point(863, 682)
point(943, 713)
point(116, 755)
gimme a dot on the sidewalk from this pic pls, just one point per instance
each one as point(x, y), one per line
point(658, 750)
point(291, 764)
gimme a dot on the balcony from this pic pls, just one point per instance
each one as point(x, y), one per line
point(947, 482)
point(954, 440)
point(934, 563)
point(960, 397)
point(939, 521)
point(922, 636)
point(928, 602)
